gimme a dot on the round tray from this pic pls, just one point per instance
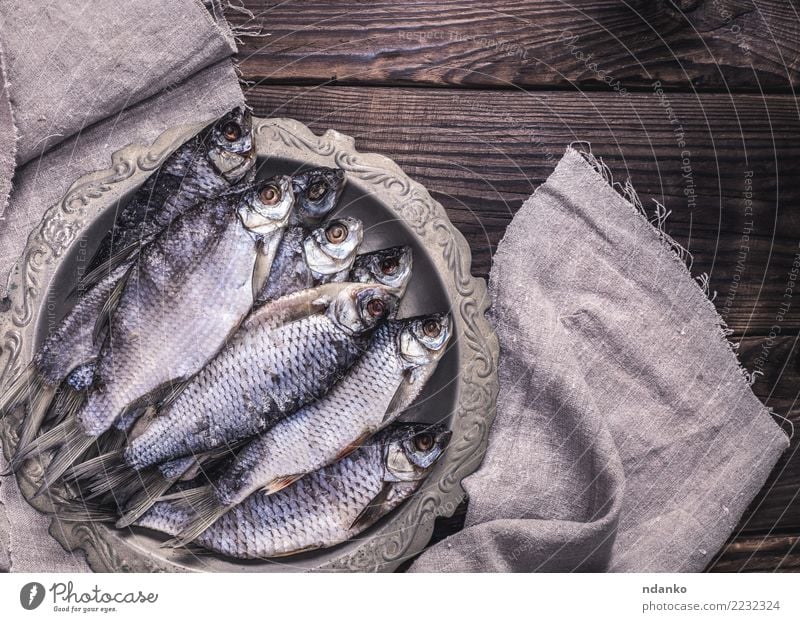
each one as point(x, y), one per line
point(395, 210)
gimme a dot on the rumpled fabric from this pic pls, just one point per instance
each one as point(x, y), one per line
point(82, 79)
point(627, 436)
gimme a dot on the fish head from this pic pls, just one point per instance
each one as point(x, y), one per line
point(332, 248)
point(423, 339)
point(389, 266)
point(266, 206)
point(411, 450)
point(361, 307)
point(317, 192)
point(231, 145)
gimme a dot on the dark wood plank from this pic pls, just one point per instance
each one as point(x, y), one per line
point(596, 44)
point(481, 154)
point(759, 554)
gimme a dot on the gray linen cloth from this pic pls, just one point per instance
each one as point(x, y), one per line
point(627, 436)
point(86, 78)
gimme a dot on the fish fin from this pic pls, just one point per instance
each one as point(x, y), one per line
point(50, 439)
point(84, 512)
point(109, 306)
point(13, 395)
point(122, 483)
point(280, 483)
point(67, 402)
point(207, 510)
point(305, 549)
point(186, 498)
point(142, 422)
point(261, 270)
point(173, 393)
point(351, 447)
point(109, 265)
point(406, 393)
point(74, 446)
point(43, 407)
point(40, 399)
point(97, 466)
point(374, 509)
point(296, 306)
point(111, 440)
point(154, 484)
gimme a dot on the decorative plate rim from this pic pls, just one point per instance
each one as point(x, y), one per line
point(410, 528)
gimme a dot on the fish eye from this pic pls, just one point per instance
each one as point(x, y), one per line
point(232, 131)
point(390, 265)
point(270, 194)
point(336, 233)
point(424, 442)
point(317, 190)
point(431, 328)
point(376, 307)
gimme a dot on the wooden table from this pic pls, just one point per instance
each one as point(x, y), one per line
point(693, 101)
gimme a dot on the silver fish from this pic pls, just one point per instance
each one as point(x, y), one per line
point(105, 473)
point(317, 191)
point(305, 260)
point(262, 375)
point(381, 385)
point(324, 508)
point(200, 169)
point(178, 304)
point(67, 346)
point(89, 348)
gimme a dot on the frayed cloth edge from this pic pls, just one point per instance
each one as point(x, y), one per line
point(681, 255)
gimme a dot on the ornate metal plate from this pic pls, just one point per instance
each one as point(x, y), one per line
point(395, 210)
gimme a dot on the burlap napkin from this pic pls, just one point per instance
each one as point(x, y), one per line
point(627, 436)
point(86, 79)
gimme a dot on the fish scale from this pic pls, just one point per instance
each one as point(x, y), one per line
point(291, 273)
point(223, 403)
point(72, 343)
point(186, 178)
point(314, 435)
point(383, 383)
point(199, 169)
point(161, 305)
point(319, 510)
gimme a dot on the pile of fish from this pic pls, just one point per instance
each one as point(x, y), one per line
point(233, 369)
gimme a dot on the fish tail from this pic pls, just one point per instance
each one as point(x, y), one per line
point(40, 400)
point(99, 465)
point(154, 484)
point(111, 441)
point(50, 439)
point(43, 405)
point(119, 483)
point(74, 445)
point(106, 473)
point(14, 394)
point(207, 510)
point(84, 512)
point(68, 402)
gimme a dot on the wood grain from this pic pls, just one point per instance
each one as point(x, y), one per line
point(605, 45)
point(481, 154)
point(759, 554)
